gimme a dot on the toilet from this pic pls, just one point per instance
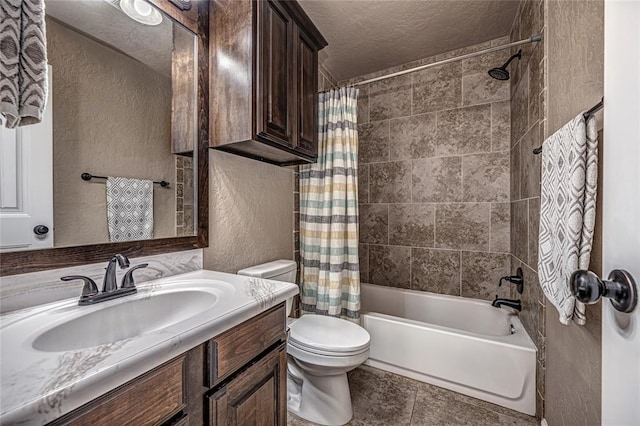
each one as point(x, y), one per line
point(321, 350)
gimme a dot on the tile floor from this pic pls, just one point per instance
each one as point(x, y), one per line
point(382, 398)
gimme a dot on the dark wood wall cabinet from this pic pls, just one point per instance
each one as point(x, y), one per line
point(264, 80)
point(236, 378)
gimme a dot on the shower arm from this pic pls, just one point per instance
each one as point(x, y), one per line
point(517, 55)
point(533, 39)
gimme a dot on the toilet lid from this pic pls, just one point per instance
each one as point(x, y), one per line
point(328, 334)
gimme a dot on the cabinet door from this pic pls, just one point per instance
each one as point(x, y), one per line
point(306, 95)
point(274, 101)
point(257, 396)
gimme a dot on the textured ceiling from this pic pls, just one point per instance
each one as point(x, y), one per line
point(370, 35)
point(150, 45)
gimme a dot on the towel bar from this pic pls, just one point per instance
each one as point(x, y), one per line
point(597, 107)
point(88, 176)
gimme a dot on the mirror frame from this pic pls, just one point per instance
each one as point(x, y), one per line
point(196, 20)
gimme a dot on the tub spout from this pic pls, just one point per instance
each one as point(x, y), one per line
point(511, 303)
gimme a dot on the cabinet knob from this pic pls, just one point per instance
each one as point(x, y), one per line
point(620, 288)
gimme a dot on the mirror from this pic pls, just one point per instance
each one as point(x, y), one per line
point(115, 157)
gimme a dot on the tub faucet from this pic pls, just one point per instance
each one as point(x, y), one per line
point(511, 303)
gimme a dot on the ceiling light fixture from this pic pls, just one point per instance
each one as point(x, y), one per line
point(141, 11)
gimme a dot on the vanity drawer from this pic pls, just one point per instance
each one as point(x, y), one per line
point(147, 400)
point(236, 347)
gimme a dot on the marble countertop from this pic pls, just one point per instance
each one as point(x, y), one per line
point(39, 386)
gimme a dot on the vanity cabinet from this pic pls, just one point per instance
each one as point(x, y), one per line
point(236, 378)
point(264, 80)
point(257, 396)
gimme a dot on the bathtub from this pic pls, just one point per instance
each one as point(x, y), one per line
point(461, 344)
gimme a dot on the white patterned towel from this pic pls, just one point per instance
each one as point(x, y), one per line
point(567, 212)
point(129, 209)
point(23, 62)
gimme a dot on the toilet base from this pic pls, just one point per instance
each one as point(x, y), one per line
point(325, 400)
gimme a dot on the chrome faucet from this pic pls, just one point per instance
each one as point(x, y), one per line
point(110, 290)
point(511, 303)
point(110, 284)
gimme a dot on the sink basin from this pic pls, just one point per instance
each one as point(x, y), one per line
point(126, 319)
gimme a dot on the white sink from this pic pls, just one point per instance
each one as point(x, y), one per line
point(64, 354)
point(130, 318)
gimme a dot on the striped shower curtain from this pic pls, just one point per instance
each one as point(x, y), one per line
point(329, 212)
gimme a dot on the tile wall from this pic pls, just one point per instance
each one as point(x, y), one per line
point(434, 177)
point(184, 196)
point(528, 112)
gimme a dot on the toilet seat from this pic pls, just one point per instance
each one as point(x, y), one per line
point(326, 364)
point(328, 336)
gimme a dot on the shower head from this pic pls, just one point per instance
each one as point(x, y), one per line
point(502, 73)
point(499, 73)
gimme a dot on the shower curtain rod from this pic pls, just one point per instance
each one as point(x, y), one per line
point(534, 38)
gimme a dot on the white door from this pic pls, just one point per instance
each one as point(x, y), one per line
point(621, 215)
point(26, 184)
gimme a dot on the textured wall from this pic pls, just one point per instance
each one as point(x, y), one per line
point(434, 177)
point(250, 218)
point(527, 133)
point(103, 103)
point(575, 51)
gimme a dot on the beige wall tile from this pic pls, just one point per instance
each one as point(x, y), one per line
point(484, 63)
point(411, 224)
point(390, 98)
point(534, 226)
point(363, 256)
point(530, 164)
point(485, 177)
point(390, 265)
point(500, 227)
point(390, 182)
point(373, 142)
point(363, 104)
point(437, 88)
point(463, 226)
point(501, 126)
point(437, 271)
point(480, 88)
point(520, 230)
point(413, 137)
point(437, 180)
point(481, 273)
point(363, 184)
point(374, 223)
point(514, 169)
point(520, 110)
point(464, 130)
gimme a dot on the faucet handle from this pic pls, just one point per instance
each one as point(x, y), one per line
point(127, 280)
point(517, 279)
point(90, 288)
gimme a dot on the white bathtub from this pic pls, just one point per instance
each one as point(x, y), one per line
point(461, 344)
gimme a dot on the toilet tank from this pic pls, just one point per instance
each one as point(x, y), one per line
point(279, 270)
